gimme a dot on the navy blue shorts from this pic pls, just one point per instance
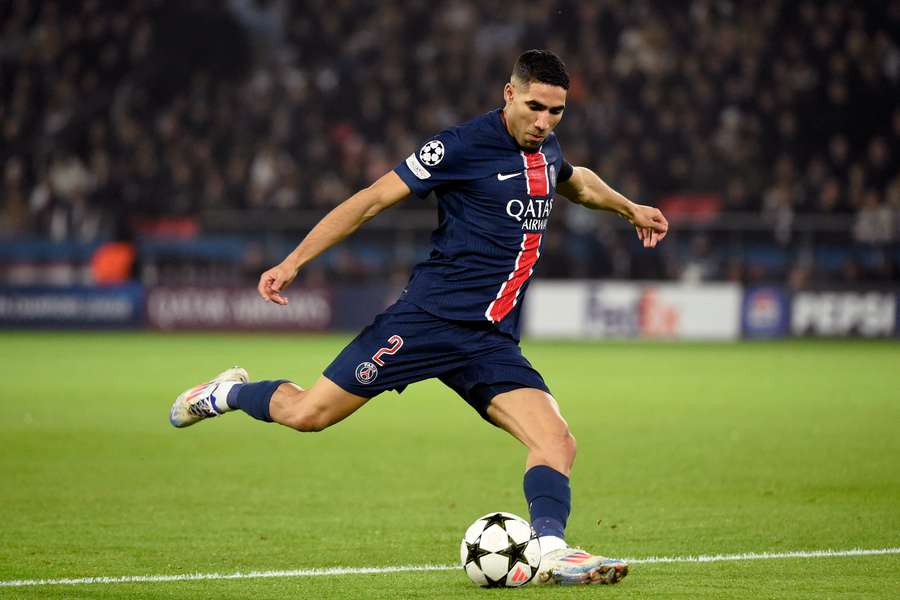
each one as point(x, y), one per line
point(405, 344)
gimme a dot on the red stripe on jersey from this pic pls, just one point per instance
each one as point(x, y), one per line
point(536, 173)
point(509, 292)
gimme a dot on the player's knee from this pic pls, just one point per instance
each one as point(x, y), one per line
point(561, 450)
point(308, 423)
point(308, 419)
point(556, 450)
point(568, 447)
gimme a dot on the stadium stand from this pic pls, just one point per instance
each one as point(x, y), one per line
point(769, 131)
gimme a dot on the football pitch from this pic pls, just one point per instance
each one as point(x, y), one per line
point(767, 454)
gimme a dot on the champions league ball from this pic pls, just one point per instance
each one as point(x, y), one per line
point(500, 550)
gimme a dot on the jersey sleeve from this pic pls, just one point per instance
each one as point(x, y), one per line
point(565, 171)
point(439, 160)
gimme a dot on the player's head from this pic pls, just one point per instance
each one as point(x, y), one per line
point(535, 97)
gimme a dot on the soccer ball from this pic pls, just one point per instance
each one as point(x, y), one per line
point(500, 550)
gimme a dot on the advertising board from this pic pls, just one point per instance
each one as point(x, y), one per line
point(592, 309)
point(841, 313)
point(172, 308)
point(765, 312)
point(72, 307)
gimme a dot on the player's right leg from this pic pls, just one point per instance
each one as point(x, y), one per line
point(282, 402)
point(378, 359)
point(205, 400)
point(321, 406)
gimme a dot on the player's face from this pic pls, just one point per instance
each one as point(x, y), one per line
point(532, 111)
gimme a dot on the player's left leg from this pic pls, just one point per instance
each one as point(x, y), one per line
point(532, 416)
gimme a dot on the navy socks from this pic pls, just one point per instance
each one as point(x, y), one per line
point(253, 398)
point(549, 500)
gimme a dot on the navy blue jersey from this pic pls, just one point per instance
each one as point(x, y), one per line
point(494, 203)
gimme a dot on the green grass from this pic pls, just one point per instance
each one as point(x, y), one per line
point(684, 449)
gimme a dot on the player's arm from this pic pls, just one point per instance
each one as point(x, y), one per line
point(343, 220)
point(586, 188)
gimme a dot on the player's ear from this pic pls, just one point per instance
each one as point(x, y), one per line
point(508, 92)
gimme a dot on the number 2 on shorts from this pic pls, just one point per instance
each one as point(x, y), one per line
point(396, 343)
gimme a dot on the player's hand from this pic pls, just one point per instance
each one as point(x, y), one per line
point(650, 224)
point(274, 281)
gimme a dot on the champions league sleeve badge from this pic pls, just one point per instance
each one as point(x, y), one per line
point(432, 152)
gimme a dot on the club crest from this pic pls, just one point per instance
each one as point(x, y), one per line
point(366, 373)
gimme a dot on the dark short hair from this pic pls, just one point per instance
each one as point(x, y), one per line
point(542, 66)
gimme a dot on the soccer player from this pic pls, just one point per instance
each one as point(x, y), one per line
point(458, 319)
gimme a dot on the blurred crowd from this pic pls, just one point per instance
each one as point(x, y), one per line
point(111, 112)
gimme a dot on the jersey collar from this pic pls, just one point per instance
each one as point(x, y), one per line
point(499, 122)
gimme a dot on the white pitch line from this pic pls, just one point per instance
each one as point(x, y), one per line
point(331, 571)
point(238, 575)
point(762, 556)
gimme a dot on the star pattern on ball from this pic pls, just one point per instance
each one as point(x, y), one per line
point(474, 552)
point(515, 553)
point(493, 583)
point(497, 519)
